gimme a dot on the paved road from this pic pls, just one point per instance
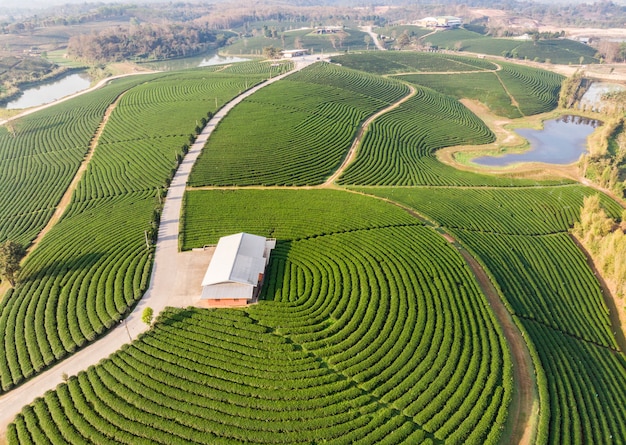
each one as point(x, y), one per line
point(374, 36)
point(168, 270)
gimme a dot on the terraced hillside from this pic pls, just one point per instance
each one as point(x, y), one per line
point(295, 132)
point(94, 264)
point(373, 333)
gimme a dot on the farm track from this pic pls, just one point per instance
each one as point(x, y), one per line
point(522, 421)
point(359, 137)
point(67, 196)
point(523, 414)
point(160, 293)
point(513, 100)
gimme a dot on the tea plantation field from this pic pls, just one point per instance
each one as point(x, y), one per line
point(295, 132)
point(94, 265)
point(551, 292)
point(371, 327)
point(374, 332)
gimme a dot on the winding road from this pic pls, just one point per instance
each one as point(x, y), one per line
point(167, 272)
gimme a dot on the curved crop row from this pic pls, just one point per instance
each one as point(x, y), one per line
point(391, 62)
point(399, 147)
point(510, 210)
point(294, 132)
point(585, 386)
point(93, 266)
point(39, 155)
point(531, 275)
point(376, 336)
point(536, 91)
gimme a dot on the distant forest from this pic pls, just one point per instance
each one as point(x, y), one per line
point(146, 41)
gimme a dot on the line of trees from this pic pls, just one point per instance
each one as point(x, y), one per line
point(605, 240)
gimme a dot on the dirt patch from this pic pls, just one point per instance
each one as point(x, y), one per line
point(448, 238)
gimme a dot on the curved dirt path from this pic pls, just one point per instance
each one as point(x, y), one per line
point(523, 411)
point(164, 289)
point(357, 140)
point(67, 196)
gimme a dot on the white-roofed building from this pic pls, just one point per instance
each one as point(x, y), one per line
point(235, 273)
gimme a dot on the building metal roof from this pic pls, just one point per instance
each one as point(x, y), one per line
point(235, 267)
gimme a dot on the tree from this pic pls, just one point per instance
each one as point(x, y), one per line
point(404, 40)
point(367, 39)
point(270, 52)
point(11, 253)
point(146, 316)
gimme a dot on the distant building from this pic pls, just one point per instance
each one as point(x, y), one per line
point(441, 22)
point(289, 53)
point(328, 29)
point(235, 274)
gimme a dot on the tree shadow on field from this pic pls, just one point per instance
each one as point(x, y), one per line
point(274, 277)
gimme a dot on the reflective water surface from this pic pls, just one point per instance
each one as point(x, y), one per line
point(561, 142)
point(50, 91)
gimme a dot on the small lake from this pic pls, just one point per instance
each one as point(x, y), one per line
point(208, 59)
point(593, 96)
point(50, 91)
point(561, 142)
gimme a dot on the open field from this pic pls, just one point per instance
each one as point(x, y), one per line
point(560, 51)
point(380, 320)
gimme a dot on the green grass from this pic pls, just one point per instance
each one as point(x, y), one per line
point(283, 214)
point(294, 132)
point(483, 87)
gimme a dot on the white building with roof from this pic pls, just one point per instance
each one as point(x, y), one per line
point(236, 270)
point(291, 53)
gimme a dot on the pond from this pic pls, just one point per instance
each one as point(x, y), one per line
point(50, 91)
point(208, 59)
point(561, 142)
point(592, 99)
